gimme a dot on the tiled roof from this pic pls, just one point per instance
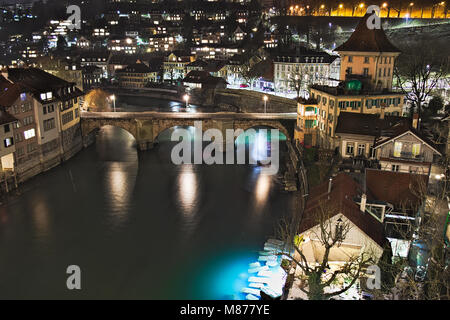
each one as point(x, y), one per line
point(5, 117)
point(202, 77)
point(395, 187)
point(37, 81)
point(135, 68)
point(301, 55)
point(399, 129)
point(343, 190)
point(10, 93)
point(366, 124)
point(364, 39)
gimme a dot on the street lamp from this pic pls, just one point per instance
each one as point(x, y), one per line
point(186, 98)
point(265, 98)
point(113, 98)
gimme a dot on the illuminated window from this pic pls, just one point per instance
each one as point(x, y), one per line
point(416, 149)
point(29, 134)
point(8, 142)
point(397, 149)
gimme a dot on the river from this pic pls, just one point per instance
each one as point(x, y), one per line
point(138, 226)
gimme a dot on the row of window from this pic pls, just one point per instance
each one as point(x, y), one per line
point(361, 149)
point(387, 60)
point(49, 124)
point(386, 101)
point(15, 109)
point(67, 117)
point(48, 109)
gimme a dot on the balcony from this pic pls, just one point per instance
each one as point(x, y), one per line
point(407, 156)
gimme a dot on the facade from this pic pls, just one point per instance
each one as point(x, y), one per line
point(92, 76)
point(406, 151)
point(7, 147)
point(311, 66)
point(125, 45)
point(365, 55)
point(340, 198)
point(48, 114)
point(175, 65)
point(96, 58)
point(203, 80)
point(136, 75)
point(358, 132)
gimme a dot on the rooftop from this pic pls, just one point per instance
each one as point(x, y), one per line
point(396, 187)
point(343, 190)
point(366, 124)
point(364, 39)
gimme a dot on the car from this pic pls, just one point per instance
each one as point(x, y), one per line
point(268, 89)
point(243, 85)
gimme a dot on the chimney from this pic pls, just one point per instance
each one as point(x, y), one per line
point(382, 113)
point(362, 207)
point(415, 121)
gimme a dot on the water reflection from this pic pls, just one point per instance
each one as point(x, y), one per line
point(121, 168)
point(187, 194)
point(40, 216)
point(262, 190)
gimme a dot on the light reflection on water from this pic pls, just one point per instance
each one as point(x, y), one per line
point(138, 226)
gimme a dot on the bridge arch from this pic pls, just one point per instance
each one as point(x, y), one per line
point(263, 124)
point(90, 127)
point(163, 125)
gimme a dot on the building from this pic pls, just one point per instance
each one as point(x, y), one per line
point(216, 51)
point(396, 203)
point(368, 53)
point(47, 109)
point(367, 60)
point(203, 80)
point(20, 103)
point(301, 66)
point(96, 58)
point(7, 147)
point(358, 132)
point(61, 68)
point(337, 202)
point(136, 75)
point(92, 77)
point(175, 64)
point(404, 149)
point(125, 45)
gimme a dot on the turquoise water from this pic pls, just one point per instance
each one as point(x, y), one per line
point(138, 226)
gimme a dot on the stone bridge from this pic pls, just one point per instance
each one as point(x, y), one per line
point(146, 126)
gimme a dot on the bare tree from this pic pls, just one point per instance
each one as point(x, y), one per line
point(431, 279)
point(418, 71)
point(316, 276)
point(298, 80)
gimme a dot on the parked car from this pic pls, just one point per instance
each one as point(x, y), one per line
point(268, 89)
point(243, 85)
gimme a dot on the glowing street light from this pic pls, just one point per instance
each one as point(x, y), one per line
point(113, 98)
point(265, 98)
point(361, 5)
point(341, 6)
point(186, 98)
point(385, 5)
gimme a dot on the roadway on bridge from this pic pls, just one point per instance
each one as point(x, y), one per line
point(186, 115)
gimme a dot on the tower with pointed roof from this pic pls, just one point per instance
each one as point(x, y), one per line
point(368, 53)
